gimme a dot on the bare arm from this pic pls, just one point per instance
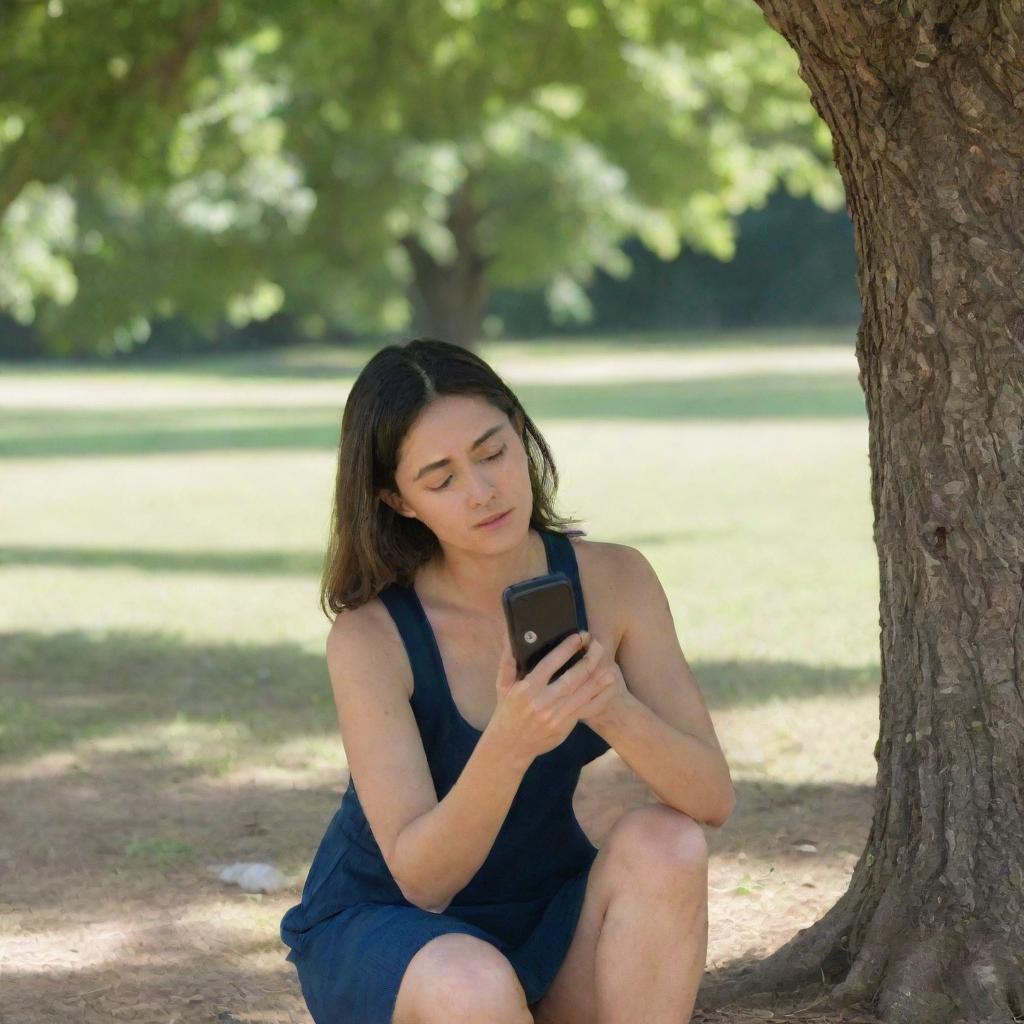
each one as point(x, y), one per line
point(432, 849)
point(662, 728)
point(440, 851)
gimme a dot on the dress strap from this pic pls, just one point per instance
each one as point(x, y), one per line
point(402, 603)
point(562, 558)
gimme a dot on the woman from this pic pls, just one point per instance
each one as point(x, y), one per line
point(454, 881)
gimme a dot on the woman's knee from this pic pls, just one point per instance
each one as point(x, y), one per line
point(657, 844)
point(458, 977)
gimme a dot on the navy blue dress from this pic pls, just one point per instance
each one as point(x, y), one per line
point(353, 933)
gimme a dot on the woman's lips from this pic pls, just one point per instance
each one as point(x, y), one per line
point(494, 522)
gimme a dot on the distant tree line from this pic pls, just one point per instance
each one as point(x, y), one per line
point(794, 264)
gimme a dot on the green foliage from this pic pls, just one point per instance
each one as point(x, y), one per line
point(221, 160)
point(157, 851)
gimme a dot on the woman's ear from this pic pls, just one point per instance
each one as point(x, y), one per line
point(395, 502)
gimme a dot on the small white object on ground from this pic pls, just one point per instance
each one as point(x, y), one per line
point(251, 876)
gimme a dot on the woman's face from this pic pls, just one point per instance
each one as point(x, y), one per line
point(461, 462)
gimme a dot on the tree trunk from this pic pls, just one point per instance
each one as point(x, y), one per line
point(925, 102)
point(452, 296)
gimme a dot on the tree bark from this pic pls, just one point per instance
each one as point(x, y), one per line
point(452, 296)
point(925, 102)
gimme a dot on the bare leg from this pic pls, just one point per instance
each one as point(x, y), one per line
point(651, 953)
point(455, 978)
point(640, 947)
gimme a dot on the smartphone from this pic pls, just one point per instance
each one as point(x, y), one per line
point(540, 613)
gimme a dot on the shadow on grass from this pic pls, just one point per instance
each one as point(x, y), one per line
point(296, 563)
point(67, 688)
point(190, 429)
point(274, 563)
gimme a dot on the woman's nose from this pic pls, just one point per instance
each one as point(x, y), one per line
point(483, 489)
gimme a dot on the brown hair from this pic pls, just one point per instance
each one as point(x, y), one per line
point(370, 544)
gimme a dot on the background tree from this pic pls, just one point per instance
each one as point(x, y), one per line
point(925, 101)
point(106, 219)
point(393, 164)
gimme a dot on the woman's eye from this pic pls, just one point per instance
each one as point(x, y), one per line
point(490, 458)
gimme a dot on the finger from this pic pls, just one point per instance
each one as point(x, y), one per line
point(576, 676)
point(589, 692)
point(542, 672)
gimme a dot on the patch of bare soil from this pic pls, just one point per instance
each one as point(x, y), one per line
point(97, 926)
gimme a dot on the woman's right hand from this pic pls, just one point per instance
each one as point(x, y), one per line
point(532, 717)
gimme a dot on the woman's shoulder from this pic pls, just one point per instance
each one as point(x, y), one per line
point(608, 570)
point(604, 556)
point(369, 629)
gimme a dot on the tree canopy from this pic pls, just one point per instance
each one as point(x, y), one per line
point(364, 163)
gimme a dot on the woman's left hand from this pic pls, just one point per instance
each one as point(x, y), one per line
point(612, 695)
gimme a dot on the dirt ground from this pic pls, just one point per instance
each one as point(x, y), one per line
point(89, 936)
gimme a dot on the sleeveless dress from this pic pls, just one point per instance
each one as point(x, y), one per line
point(353, 933)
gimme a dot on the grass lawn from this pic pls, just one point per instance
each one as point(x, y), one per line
point(164, 703)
